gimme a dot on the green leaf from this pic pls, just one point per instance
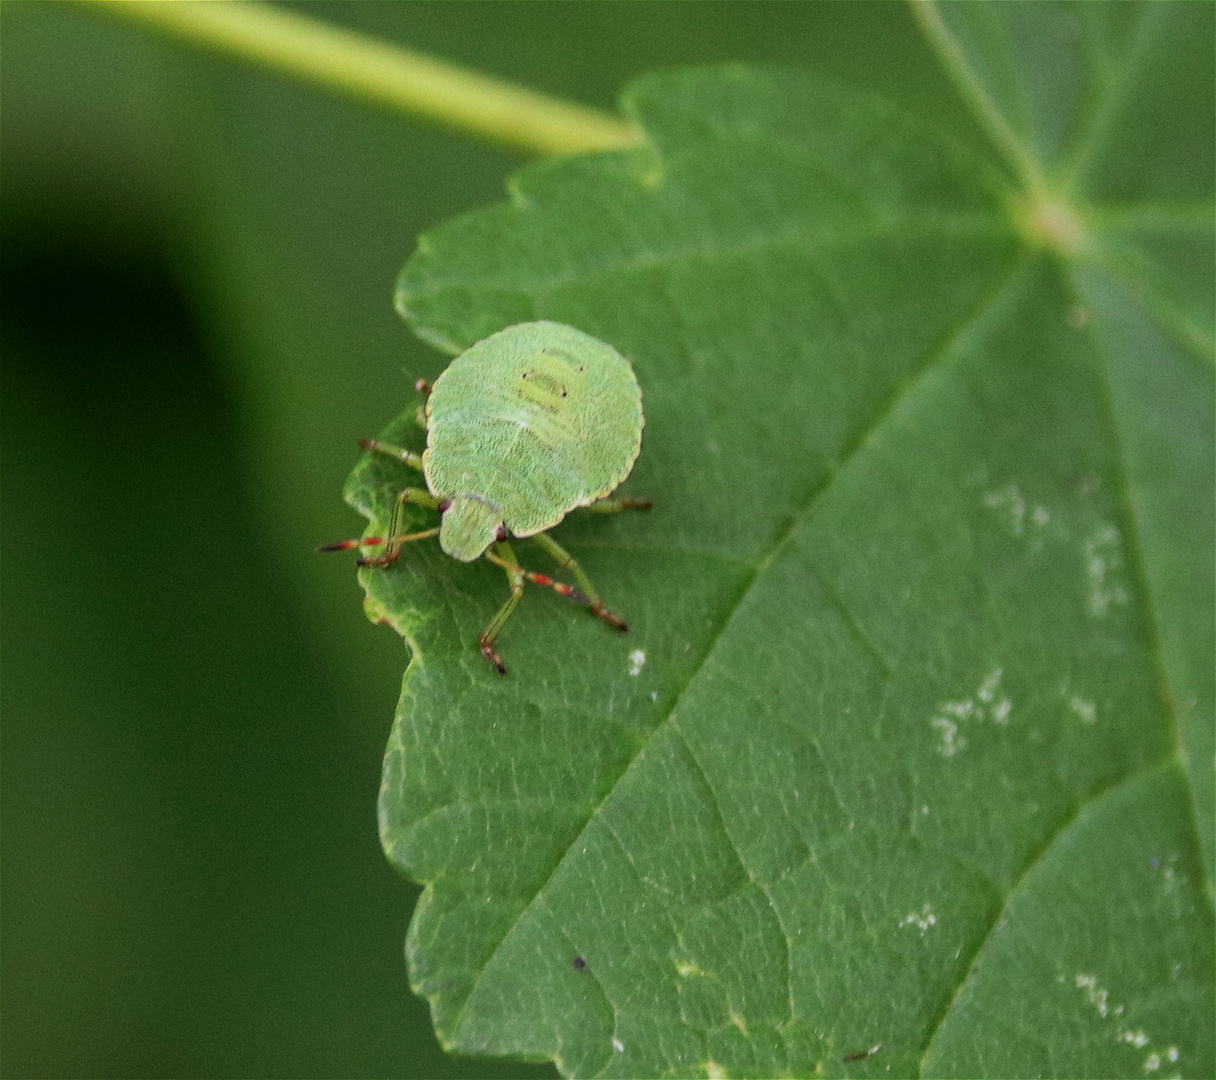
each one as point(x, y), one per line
point(909, 743)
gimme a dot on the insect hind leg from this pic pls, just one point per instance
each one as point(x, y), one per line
point(559, 587)
point(564, 559)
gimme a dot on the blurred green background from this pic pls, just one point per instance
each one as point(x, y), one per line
point(198, 261)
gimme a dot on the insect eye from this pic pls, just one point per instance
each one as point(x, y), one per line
point(444, 506)
point(501, 533)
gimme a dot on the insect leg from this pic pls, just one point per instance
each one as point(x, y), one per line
point(393, 540)
point(375, 446)
point(516, 577)
point(417, 496)
point(563, 558)
point(613, 506)
point(559, 587)
point(371, 541)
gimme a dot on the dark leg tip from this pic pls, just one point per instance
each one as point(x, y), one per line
point(495, 660)
point(610, 618)
point(338, 545)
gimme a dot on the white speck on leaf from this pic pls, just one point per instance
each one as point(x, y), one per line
point(1086, 710)
point(1103, 554)
point(980, 707)
point(617, 1045)
point(988, 687)
point(923, 921)
point(951, 742)
point(1010, 505)
point(654, 695)
point(1098, 997)
point(637, 661)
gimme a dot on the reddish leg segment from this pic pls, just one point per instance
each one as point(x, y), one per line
point(559, 587)
point(502, 555)
point(394, 540)
point(564, 559)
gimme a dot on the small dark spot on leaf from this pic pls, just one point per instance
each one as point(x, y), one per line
point(579, 964)
point(861, 1055)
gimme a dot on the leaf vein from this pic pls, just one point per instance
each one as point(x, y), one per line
point(1015, 889)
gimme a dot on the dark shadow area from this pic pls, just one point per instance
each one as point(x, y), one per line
point(192, 880)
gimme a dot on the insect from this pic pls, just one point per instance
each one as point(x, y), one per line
point(521, 428)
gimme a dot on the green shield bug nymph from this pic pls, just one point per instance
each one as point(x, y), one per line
point(525, 426)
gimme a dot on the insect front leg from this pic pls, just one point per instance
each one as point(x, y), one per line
point(564, 559)
point(515, 576)
point(375, 446)
point(417, 496)
point(393, 540)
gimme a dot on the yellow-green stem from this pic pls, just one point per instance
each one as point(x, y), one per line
point(352, 63)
